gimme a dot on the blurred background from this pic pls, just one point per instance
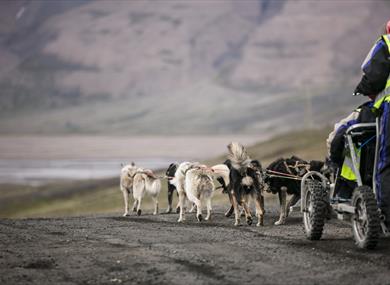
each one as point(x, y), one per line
point(87, 85)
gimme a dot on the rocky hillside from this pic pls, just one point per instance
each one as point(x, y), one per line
point(128, 67)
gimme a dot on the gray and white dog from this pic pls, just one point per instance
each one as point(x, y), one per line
point(194, 181)
point(146, 182)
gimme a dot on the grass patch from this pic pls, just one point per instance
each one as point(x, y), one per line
point(308, 144)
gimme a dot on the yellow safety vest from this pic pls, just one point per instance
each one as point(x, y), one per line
point(347, 168)
point(384, 95)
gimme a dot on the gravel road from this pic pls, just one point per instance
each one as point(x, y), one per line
point(151, 249)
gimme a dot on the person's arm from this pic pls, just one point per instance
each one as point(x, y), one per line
point(335, 141)
point(376, 69)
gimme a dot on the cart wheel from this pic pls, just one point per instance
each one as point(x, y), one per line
point(315, 209)
point(365, 221)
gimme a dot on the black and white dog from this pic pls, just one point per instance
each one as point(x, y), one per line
point(170, 174)
point(294, 168)
point(245, 181)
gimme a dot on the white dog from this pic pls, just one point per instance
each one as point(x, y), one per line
point(146, 182)
point(199, 188)
point(195, 182)
point(179, 182)
point(126, 184)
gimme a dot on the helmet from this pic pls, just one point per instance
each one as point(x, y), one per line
point(388, 27)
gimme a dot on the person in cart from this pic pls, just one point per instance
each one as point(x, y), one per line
point(375, 84)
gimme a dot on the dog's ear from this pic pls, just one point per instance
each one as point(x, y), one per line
point(132, 163)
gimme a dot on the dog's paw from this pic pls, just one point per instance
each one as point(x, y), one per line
point(207, 218)
point(260, 222)
point(249, 221)
point(199, 217)
point(126, 214)
point(139, 212)
point(280, 222)
point(169, 210)
point(237, 223)
point(155, 213)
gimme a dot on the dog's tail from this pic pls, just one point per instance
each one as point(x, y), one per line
point(206, 185)
point(221, 171)
point(154, 187)
point(201, 180)
point(138, 185)
point(238, 155)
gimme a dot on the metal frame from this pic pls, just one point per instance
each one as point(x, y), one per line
point(351, 132)
point(344, 208)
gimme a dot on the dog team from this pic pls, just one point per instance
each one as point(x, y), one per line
point(240, 177)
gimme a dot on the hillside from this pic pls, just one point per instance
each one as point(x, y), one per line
point(179, 67)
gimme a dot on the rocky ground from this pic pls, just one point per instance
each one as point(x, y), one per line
point(149, 249)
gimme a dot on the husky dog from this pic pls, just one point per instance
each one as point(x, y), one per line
point(179, 182)
point(169, 174)
point(126, 184)
point(245, 181)
point(221, 173)
point(293, 166)
point(199, 188)
point(146, 182)
point(255, 165)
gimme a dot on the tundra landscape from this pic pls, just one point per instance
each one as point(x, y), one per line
point(74, 233)
point(89, 85)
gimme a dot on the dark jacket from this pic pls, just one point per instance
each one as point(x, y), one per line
point(376, 69)
point(337, 141)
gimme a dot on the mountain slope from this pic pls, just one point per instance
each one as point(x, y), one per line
point(200, 66)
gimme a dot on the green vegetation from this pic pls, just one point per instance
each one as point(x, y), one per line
point(103, 196)
point(308, 144)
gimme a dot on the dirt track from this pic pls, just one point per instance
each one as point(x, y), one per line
point(157, 250)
